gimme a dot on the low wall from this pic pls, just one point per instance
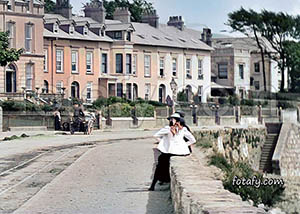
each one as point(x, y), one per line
point(206, 121)
point(289, 116)
point(249, 120)
point(119, 123)
point(227, 120)
point(195, 190)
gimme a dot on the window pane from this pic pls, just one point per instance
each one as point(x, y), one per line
point(29, 76)
point(104, 63)
point(222, 68)
point(174, 67)
point(128, 63)
point(119, 63)
point(134, 64)
point(147, 65)
point(119, 89)
point(89, 56)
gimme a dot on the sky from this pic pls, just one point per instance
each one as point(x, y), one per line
point(209, 13)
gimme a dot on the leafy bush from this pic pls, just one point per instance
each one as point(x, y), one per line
point(234, 100)
point(267, 195)
point(204, 143)
point(285, 105)
point(47, 108)
point(119, 110)
point(219, 161)
point(182, 96)
point(145, 110)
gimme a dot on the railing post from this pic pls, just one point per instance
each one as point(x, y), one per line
point(237, 114)
point(259, 114)
point(280, 115)
point(108, 120)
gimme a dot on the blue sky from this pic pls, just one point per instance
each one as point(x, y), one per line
point(210, 13)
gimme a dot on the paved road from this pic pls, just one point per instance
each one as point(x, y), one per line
point(109, 178)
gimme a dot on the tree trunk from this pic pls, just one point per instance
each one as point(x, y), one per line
point(262, 53)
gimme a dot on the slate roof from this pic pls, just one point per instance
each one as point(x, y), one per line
point(168, 36)
point(76, 36)
point(143, 34)
point(241, 43)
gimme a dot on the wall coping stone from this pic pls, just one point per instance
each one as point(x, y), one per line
point(195, 189)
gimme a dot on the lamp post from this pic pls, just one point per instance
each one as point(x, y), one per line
point(173, 85)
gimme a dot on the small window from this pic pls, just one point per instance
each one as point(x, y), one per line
point(74, 61)
point(128, 36)
point(256, 85)
point(71, 30)
point(188, 69)
point(200, 71)
point(11, 33)
point(128, 63)
point(59, 61)
point(134, 64)
point(119, 63)
point(128, 91)
point(257, 67)
point(59, 86)
point(119, 90)
point(29, 76)
point(104, 63)
point(200, 90)
point(147, 91)
point(28, 38)
point(162, 67)
point(222, 70)
point(241, 71)
point(89, 90)
point(89, 62)
point(45, 60)
point(147, 65)
point(251, 81)
point(85, 30)
point(174, 67)
point(55, 28)
point(118, 35)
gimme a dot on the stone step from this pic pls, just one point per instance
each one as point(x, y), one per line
point(27, 128)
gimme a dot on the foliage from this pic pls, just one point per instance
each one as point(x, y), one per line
point(285, 104)
point(234, 100)
point(47, 108)
point(275, 28)
point(12, 105)
point(267, 195)
point(49, 6)
point(293, 63)
point(144, 110)
point(8, 55)
point(219, 161)
point(136, 7)
point(204, 143)
point(119, 110)
point(182, 96)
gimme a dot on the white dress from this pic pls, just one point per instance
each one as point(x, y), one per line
point(174, 144)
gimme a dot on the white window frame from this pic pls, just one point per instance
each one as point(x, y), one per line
point(147, 65)
point(188, 69)
point(55, 28)
point(59, 86)
point(61, 60)
point(162, 66)
point(89, 70)
point(134, 64)
point(102, 63)
point(76, 62)
point(89, 90)
point(128, 63)
point(243, 71)
point(174, 67)
point(11, 36)
point(29, 76)
point(200, 69)
point(147, 91)
point(28, 37)
point(45, 60)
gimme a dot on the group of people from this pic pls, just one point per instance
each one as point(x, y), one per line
point(174, 140)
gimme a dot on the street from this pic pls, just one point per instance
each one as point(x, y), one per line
point(107, 177)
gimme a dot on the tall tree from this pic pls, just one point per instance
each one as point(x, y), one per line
point(7, 55)
point(293, 63)
point(49, 6)
point(137, 8)
point(248, 23)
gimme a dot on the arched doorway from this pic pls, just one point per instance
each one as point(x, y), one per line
point(135, 91)
point(75, 90)
point(189, 93)
point(162, 93)
point(11, 79)
point(46, 87)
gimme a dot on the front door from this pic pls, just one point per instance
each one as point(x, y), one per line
point(11, 85)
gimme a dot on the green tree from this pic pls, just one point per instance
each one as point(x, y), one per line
point(248, 23)
point(136, 7)
point(293, 63)
point(276, 28)
point(49, 6)
point(7, 55)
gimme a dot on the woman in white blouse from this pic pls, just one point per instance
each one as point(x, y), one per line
point(171, 143)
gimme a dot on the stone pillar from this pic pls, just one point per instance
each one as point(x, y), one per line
point(298, 114)
point(280, 115)
point(237, 114)
point(1, 119)
point(260, 114)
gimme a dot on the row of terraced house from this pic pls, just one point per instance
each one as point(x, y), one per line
point(89, 56)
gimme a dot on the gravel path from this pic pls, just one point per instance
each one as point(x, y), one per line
point(108, 179)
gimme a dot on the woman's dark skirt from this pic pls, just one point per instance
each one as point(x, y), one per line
point(162, 172)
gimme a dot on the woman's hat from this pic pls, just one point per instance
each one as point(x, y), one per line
point(175, 115)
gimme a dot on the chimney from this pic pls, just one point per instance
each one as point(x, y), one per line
point(206, 36)
point(64, 8)
point(151, 18)
point(176, 21)
point(95, 11)
point(122, 14)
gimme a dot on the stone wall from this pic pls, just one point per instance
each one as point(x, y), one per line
point(287, 153)
point(235, 144)
point(195, 189)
